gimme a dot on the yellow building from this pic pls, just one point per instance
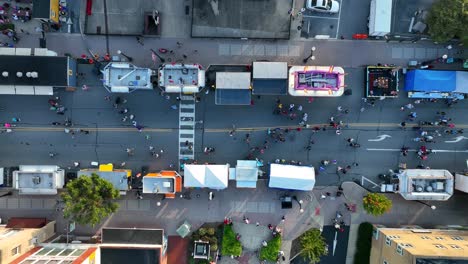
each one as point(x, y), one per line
point(21, 235)
point(418, 246)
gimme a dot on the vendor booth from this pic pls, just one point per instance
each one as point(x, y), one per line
point(270, 78)
point(433, 84)
point(232, 88)
point(382, 81)
point(206, 176)
point(245, 174)
point(291, 177)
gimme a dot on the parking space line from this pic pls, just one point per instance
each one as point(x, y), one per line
point(339, 17)
point(321, 17)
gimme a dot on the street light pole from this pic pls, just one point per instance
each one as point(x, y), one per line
point(300, 202)
point(433, 207)
point(157, 55)
point(311, 56)
point(130, 59)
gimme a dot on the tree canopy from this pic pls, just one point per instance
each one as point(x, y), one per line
point(376, 204)
point(448, 19)
point(313, 245)
point(88, 200)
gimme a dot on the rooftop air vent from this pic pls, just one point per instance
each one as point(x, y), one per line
point(5, 74)
point(19, 74)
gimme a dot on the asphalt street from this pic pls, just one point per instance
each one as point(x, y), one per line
point(109, 137)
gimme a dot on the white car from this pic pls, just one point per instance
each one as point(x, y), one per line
point(328, 6)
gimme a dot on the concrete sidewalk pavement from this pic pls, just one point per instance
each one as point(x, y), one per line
point(345, 53)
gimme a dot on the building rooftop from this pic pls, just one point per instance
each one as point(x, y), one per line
point(20, 222)
point(418, 184)
point(429, 243)
point(48, 70)
point(54, 253)
point(110, 255)
point(132, 236)
point(125, 77)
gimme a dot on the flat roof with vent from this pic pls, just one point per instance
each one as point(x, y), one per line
point(48, 70)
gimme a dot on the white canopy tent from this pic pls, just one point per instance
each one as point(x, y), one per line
point(292, 177)
point(206, 176)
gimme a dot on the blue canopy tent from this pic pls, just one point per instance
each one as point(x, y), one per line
point(431, 84)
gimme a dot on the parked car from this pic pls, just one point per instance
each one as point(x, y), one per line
point(327, 6)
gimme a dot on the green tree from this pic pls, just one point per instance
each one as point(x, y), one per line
point(88, 200)
point(376, 204)
point(313, 246)
point(270, 252)
point(448, 19)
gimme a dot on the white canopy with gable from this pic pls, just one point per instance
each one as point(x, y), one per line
point(206, 176)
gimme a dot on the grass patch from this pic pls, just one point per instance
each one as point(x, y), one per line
point(230, 245)
point(363, 244)
point(270, 252)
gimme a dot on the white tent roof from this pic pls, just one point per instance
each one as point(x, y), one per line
point(233, 80)
point(292, 177)
point(270, 70)
point(206, 176)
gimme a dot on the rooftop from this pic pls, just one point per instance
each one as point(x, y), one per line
point(270, 70)
point(426, 184)
point(429, 242)
point(124, 77)
point(118, 178)
point(20, 222)
point(158, 185)
point(63, 254)
point(38, 179)
point(132, 236)
point(178, 77)
point(129, 255)
point(43, 70)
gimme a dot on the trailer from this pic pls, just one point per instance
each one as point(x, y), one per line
point(380, 18)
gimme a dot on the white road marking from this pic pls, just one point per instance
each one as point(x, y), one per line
point(415, 150)
point(380, 138)
point(339, 17)
point(457, 139)
point(321, 17)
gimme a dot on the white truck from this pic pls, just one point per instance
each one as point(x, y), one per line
point(461, 180)
point(380, 18)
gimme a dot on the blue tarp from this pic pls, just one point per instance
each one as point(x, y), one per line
point(430, 81)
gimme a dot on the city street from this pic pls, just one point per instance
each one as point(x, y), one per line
point(109, 137)
point(99, 133)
